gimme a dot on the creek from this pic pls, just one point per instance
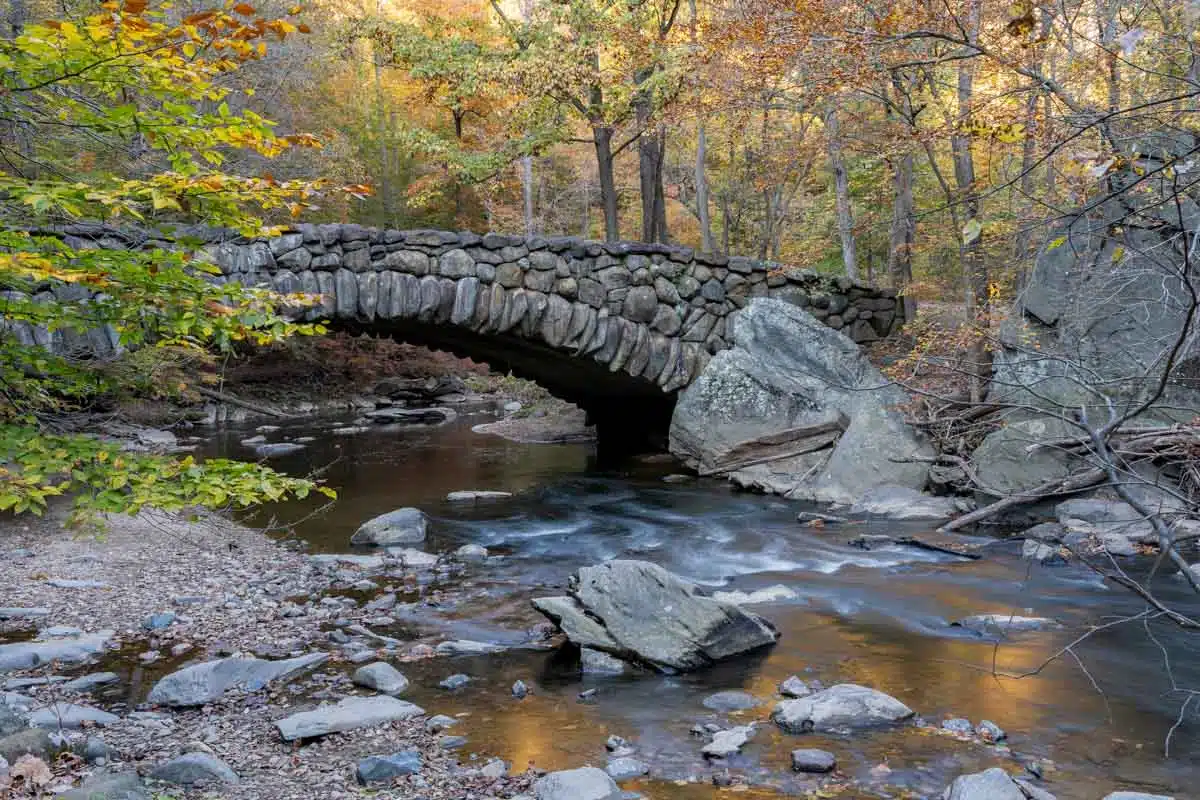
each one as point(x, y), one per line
point(1096, 718)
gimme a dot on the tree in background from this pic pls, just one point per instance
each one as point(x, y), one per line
point(120, 115)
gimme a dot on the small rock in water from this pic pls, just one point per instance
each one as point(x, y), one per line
point(456, 681)
point(158, 621)
point(439, 723)
point(959, 725)
point(812, 760)
point(466, 647)
point(794, 686)
point(494, 769)
point(811, 517)
point(597, 662)
point(253, 440)
point(280, 449)
point(846, 705)
point(585, 783)
point(475, 495)
point(622, 769)
point(402, 526)
point(587, 695)
point(991, 784)
point(990, 732)
point(1042, 553)
point(771, 594)
point(728, 742)
point(471, 553)
point(731, 701)
point(382, 677)
point(676, 477)
point(195, 768)
point(1004, 623)
point(452, 742)
point(376, 769)
point(520, 690)
point(614, 743)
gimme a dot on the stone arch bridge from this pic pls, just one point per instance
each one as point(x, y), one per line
point(616, 328)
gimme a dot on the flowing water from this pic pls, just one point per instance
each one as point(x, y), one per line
point(1097, 718)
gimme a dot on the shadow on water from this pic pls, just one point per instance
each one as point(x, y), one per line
point(882, 618)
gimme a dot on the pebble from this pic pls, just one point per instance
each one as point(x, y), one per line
point(587, 695)
point(728, 742)
point(520, 690)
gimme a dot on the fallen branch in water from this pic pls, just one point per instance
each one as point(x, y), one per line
point(1069, 485)
point(222, 397)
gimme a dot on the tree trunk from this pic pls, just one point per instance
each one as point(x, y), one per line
point(841, 185)
point(17, 12)
point(602, 137)
point(650, 167)
point(527, 193)
point(706, 234)
point(974, 267)
point(903, 231)
point(385, 179)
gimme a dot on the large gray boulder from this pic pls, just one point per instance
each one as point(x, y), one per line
point(346, 715)
point(846, 705)
point(585, 783)
point(642, 613)
point(402, 526)
point(206, 682)
point(794, 408)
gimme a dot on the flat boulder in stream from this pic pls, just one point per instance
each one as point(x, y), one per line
point(206, 682)
point(846, 705)
point(402, 526)
point(346, 715)
point(902, 502)
point(642, 613)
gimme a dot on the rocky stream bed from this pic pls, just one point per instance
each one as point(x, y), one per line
point(203, 658)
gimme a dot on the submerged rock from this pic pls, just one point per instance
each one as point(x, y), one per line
point(402, 526)
point(456, 681)
point(794, 686)
point(195, 768)
point(475, 495)
point(585, 783)
point(347, 714)
point(641, 612)
point(278, 449)
point(466, 647)
point(771, 594)
point(732, 700)
point(846, 705)
point(471, 553)
point(204, 683)
point(1004, 623)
